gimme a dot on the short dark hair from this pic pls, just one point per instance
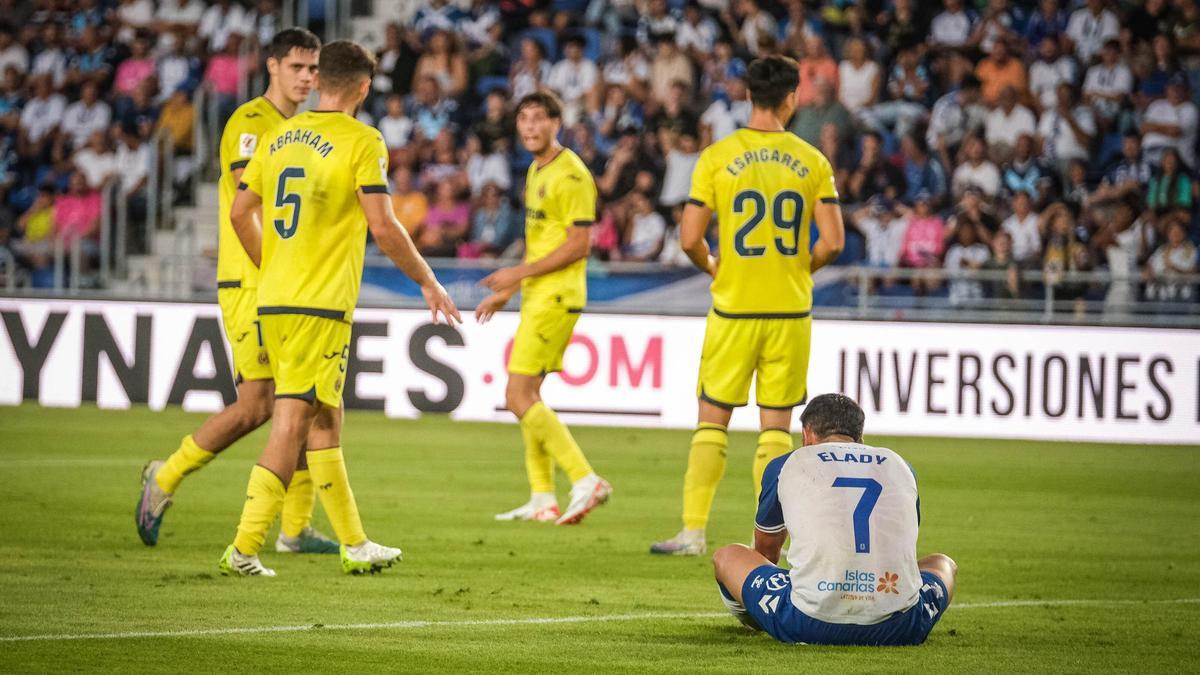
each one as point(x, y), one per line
point(834, 415)
point(771, 80)
point(343, 64)
point(292, 38)
point(970, 81)
point(546, 100)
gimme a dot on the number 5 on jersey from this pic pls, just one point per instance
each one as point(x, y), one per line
point(284, 198)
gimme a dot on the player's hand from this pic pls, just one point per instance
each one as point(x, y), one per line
point(502, 279)
point(490, 305)
point(439, 301)
point(713, 264)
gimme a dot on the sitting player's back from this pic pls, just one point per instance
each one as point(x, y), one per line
point(851, 511)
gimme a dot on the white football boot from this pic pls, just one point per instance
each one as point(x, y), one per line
point(687, 542)
point(234, 563)
point(368, 557)
point(586, 494)
point(542, 507)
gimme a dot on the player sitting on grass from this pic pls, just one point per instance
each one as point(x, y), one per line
point(852, 513)
point(292, 65)
point(321, 181)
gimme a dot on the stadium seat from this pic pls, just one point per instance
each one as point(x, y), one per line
point(591, 50)
point(572, 6)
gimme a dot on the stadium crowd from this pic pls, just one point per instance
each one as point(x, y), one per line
point(996, 134)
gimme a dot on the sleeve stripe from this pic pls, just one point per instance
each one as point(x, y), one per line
point(769, 530)
point(240, 164)
point(829, 200)
point(583, 223)
point(374, 189)
point(696, 202)
point(243, 186)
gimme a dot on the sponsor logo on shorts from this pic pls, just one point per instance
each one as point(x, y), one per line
point(263, 359)
point(243, 336)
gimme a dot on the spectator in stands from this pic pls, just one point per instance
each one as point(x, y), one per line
point(1124, 240)
point(410, 205)
point(443, 60)
point(13, 54)
point(1108, 84)
point(977, 171)
point(874, 174)
point(670, 65)
point(858, 77)
point(177, 121)
point(432, 113)
point(998, 22)
point(77, 217)
point(1050, 70)
point(1171, 186)
point(967, 253)
point(1148, 20)
point(139, 108)
point(1001, 260)
point(908, 85)
point(132, 164)
point(133, 16)
point(954, 116)
point(697, 33)
point(656, 21)
point(583, 142)
point(40, 120)
point(446, 224)
point(483, 169)
point(726, 114)
point(1127, 175)
point(1171, 122)
point(630, 69)
point(1049, 21)
point(1090, 27)
point(974, 211)
point(34, 243)
point(224, 75)
point(1000, 70)
point(530, 71)
point(96, 161)
point(181, 17)
point(757, 27)
point(1022, 227)
point(493, 226)
point(825, 109)
point(1024, 172)
point(953, 27)
point(647, 229)
point(922, 172)
point(51, 56)
point(221, 21)
point(1174, 259)
point(91, 61)
point(883, 230)
point(395, 126)
point(923, 244)
point(136, 68)
point(677, 179)
point(576, 80)
point(1006, 123)
point(815, 66)
point(1062, 253)
point(86, 116)
point(1075, 190)
point(1065, 132)
point(840, 155)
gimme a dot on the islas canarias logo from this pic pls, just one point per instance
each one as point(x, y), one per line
point(887, 583)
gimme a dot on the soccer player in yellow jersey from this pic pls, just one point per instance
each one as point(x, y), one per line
point(765, 185)
point(560, 207)
point(291, 65)
point(320, 179)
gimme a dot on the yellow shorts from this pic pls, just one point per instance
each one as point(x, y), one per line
point(308, 356)
point(542, 338)
point(239, 312)
point(774, 351)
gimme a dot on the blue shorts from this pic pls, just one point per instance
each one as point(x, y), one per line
point(781, 620)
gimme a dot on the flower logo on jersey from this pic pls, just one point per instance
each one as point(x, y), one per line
point(887, 583)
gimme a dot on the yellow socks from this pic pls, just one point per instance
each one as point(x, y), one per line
point(556, 439)
point(188, 458)
point(328, 469)
point(772, 443)
point(706, 466)
point(539, 465)
point(298, 504)
point(264, 498)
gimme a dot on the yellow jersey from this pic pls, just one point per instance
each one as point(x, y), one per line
point(762, 185)
point(238, 142)
point(308, 171)
point(558, 196)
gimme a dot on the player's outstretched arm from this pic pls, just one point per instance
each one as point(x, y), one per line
point(577, 247)
point(828, 215)
point(494, 303)
point(244, 216)
point(395, 243)
point(691, 237)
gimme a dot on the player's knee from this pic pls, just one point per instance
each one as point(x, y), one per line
point(723, 557)
point(940, 562)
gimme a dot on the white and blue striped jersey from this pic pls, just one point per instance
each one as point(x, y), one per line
point(852, 513)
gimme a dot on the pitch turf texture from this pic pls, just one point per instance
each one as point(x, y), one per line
point(1101, 540)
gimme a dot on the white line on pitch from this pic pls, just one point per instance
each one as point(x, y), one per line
point(402, 625)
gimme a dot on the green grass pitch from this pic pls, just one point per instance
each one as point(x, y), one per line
point(1102, 540)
